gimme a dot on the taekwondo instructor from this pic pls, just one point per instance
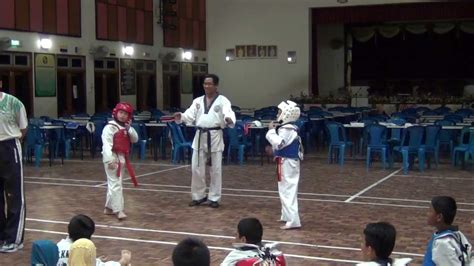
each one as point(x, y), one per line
point(210, 113)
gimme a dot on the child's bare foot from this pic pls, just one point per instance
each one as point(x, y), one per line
point(108, 211)
point(121, 215)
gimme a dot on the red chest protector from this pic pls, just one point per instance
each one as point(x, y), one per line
point(121, 142)
point(121, 145)
point(277, 261)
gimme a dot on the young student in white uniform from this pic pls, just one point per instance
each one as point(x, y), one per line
point(448, 246)
point(377, 246)
point(116, 139)
point(287, 150)
point(250, 248)
point(210, 113)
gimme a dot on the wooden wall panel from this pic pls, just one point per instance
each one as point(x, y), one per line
point(140, 38)
point(75, 17)
point(101, 24)
point(131, 25)
point(149, 5)
point(122, 22)
point(190, 24)
point(148, 28)
point(140, 4)
point(36, 15)
point(49, 16)
point(112, 27)
point(62, 19)
point(22, 15)
point(131, 3)
point(7, 18)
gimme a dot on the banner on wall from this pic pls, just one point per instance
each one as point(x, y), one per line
point(45, 75)
point(186, 78)
point(127, 75)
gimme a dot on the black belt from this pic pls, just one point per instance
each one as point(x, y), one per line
point(208, 131)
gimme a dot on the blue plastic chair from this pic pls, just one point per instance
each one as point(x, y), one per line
point(34, 144)
point(466, 144)
point(140, 128)
point(454, 117)
point(443, 110)
point(179, 143)
point(446, 136)
point(377, 142)
point(431, 142)
point(411, 144)
point(97, 136)
point(237, 142)
point(59, 139)
point(431, 112)
point(337, 140)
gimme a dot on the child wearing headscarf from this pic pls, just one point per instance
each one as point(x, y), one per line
point(83, 253)
point(44, 253)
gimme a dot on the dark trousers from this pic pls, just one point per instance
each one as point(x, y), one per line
point(13, 211)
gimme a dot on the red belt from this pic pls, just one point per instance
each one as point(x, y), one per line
point(131, 172)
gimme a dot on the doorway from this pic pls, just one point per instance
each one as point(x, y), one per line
point(146, 85)
point(72, 97)
point(106, 80)
point(171, 86)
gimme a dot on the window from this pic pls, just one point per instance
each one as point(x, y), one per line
point(111, 64)
point(62, 62)
point(5, 59)
point(76, 62)
point(99, 64)
point(21, 60)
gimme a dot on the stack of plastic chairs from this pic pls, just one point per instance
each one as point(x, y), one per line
point(454, 117)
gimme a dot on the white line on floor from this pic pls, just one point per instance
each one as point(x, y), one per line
point(371, 186)
point(244, 195)
point(152, 173)
point(174, 243)
point(437, 177)
point(214, 236)
point(251, 190)
point(99, 161)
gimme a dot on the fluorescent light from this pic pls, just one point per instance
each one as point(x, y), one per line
point(15, 43)
point(227, 58)
point(187, 55)
point(45, 43)
point(128, 50)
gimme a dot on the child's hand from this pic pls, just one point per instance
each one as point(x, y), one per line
point(103, 258)
point(126, 257)
point(271, 125)
point(112, 165)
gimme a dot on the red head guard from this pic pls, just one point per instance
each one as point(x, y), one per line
point(126, 107)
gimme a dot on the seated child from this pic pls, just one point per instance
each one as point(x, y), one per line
point(378, 244)
point(191, 252)
point(250, 249)
point(82, 226)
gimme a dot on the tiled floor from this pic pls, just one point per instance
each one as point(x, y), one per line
point(159, 216)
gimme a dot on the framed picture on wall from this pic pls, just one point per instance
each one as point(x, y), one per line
point(251, 50)
point(127, 77)
point(272, 51)
point(45, 75)
point(240, 51)
point(230, 54)
point(262, 51)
